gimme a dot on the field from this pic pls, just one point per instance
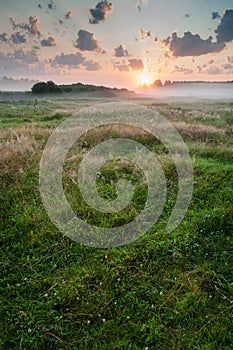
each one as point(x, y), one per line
point(163, 291)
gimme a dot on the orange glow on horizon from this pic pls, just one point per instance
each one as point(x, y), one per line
point(145, 78)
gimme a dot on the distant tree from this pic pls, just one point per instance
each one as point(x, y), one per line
point(157, 83)
point(45, 88)
point(39, 88)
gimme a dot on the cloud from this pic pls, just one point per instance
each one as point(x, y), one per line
point(215, 15)
point(228, 66)
point(192, 45)
point(68, 15)
point(50, 41)
point(98, 14)
point(75, 60)
point(92, 66)
point(214, 71)
point(51, 5)
point(18, 38)
point(145, 33)
point(86, 41)
point(20, 63)
point(183, 70)
point(136, 64)
point(122, 67)
point(225, 29)
point(32, 27)
point(120, 51)
point(140, 4)
point(28, 56)
point(69, 59)
point(3, 37)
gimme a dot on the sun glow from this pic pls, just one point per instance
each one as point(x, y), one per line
point(145, 79)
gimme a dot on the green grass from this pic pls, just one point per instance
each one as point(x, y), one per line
point(163, 291)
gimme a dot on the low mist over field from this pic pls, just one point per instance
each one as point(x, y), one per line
point(190, 90)
point(10, 84)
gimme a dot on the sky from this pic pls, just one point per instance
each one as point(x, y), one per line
point(122, 43)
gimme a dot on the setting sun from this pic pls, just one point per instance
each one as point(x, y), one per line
point(145, 79)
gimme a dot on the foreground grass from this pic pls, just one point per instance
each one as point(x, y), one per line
point(164, 291)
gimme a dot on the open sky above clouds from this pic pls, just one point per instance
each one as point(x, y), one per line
point(119, 43)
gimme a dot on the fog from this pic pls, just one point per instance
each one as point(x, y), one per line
point(191, 91)
point(10, 84)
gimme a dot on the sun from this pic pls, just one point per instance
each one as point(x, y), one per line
point(145, 79)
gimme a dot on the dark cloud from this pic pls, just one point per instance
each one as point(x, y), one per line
point(98, 14)
point(225, 29)
point(140, 4)
point(92, 66)
point(215, 15)
point(192, 45)
point(70, 59)
point(86, 41)
point(18, 38)
point(50, 41)
point(136, 64)
point(3, 37)
point(51, 5)
point(32, 27)
point(120, 51)
point(68, 15)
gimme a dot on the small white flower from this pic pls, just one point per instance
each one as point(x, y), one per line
point(46, 295)
point(161, 293)
point(103, 320)
point(118, 279)
point(88, 321)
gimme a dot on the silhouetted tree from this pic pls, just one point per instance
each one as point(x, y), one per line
point(45, 88)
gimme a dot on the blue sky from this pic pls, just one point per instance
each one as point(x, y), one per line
point(118, 43)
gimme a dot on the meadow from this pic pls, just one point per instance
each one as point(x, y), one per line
point(162, 291)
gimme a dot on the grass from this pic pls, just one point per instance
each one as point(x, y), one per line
point(163, 291)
